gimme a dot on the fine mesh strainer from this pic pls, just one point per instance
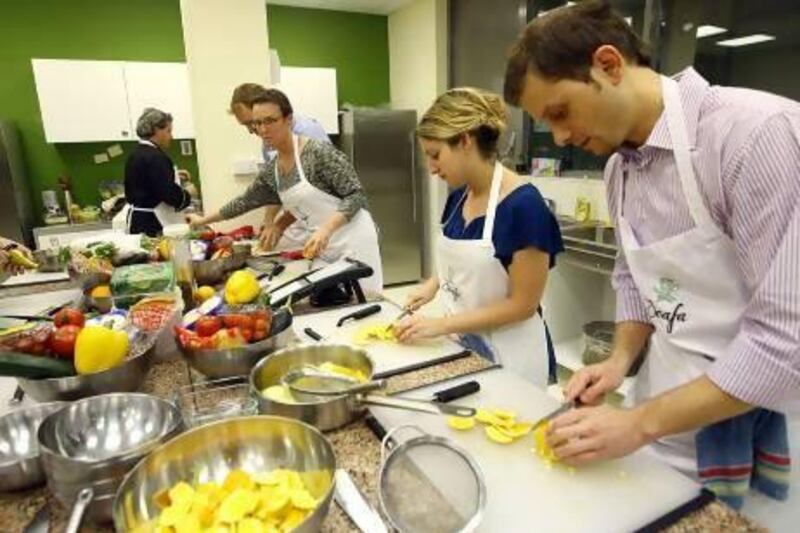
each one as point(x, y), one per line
point(429, 483)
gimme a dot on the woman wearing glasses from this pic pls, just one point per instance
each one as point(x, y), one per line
point(313, 182)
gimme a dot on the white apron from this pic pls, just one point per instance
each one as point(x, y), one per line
point(165, 213)
point(357, 239)
point(692, 288)
point(471, 277)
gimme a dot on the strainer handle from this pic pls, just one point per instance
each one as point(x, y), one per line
point(85, 497)
point(385, 442)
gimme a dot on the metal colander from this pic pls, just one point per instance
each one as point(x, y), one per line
point(428, 483)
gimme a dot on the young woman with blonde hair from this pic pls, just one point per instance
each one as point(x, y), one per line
point(498, 241)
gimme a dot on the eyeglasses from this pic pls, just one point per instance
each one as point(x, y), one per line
point(258, 122)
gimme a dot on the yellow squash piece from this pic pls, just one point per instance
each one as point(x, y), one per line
point(333, 368)
point(497, 436)
point(98, 348)
point(461, 423)
point(541, 447)
point(237, 505)
point(380, 332)
point(279, 393)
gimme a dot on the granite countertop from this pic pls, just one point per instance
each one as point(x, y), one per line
point(357, 451)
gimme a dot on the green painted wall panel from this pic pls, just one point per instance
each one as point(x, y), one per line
point(355, 44)
point(136, 30)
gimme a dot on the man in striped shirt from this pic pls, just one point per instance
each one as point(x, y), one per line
point(704, 188)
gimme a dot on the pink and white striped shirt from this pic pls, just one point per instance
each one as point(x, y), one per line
point(746, 156)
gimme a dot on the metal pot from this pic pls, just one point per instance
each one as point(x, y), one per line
point(239, 361)
point(93, 443)
point(126, 377)
point(255, 444)
point(328, 412)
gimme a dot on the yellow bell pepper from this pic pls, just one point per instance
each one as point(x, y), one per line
point(98, 348)
point(241, 288)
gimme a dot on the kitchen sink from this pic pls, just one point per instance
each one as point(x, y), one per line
point(593, 234)
point(589, 245)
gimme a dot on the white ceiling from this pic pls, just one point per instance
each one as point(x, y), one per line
point(377, 7)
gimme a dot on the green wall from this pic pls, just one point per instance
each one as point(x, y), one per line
point(355, 44)
point(150, 30)
point(136, 30)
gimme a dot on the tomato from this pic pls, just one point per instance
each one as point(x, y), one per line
point(69, 316)
point(208, 235)
point(62, 341)
point(237, 321)
point(183, 335)
point(206, 326)
point(259, 334)
point(194, 343)
point(247, 333)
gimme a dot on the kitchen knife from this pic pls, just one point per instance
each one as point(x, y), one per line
point(563, 408)
point(398, 318)
point(459, 391)
point(361, 313)
point(40, 522)
point(353, 502)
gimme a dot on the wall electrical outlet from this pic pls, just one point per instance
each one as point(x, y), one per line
point(186, 148)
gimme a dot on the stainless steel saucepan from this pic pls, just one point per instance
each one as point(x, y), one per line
point(329, 412)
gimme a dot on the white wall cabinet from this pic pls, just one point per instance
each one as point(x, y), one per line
point(164, 86)
point(96, 101)
point(82, 101)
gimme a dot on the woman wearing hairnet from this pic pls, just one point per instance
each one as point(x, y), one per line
point(152, 187)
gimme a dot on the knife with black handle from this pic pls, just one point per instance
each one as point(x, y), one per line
point(361, 313)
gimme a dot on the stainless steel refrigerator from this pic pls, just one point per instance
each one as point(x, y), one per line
point(383, 148)
point(16, 210)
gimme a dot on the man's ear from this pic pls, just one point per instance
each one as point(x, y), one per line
point(608, 60)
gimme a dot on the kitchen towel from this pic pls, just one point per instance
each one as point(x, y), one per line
point(749, 450)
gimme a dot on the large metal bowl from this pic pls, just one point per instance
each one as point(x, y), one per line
point(94, 442)
point(239, 361)
point(209, 271)
point(127, 377)
point(20, 466)
point(208, 453)
point(213, 271)
point(327, 413)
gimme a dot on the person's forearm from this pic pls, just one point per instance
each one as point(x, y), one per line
point(696, 404)
point(336, 221)
point(629, 339)
point(432, 284)
point(270, 213)
point(283, 220)
point(210, 219)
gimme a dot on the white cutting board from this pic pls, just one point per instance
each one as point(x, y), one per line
point(387, 356)
point(523, 494)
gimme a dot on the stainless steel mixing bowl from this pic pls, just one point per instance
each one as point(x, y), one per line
point(239, 361)
point(94, 442)
point(126, 377)
point(254, 444)
point(327, 413)
point(20, 466)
